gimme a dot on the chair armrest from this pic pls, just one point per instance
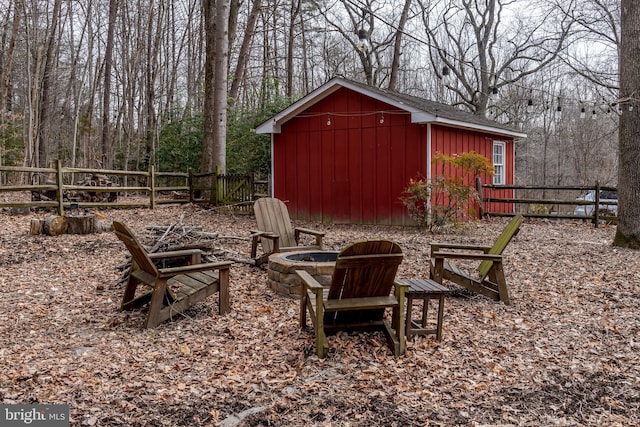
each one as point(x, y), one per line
point(174, 254)
point(174, 271)
point(266, 234)
point(309, 231)
point(401, 288)
point(255, 236)
point(318, 234)
point(195, 254)
point(435, 247)
point(466, 255)
point(309, 281)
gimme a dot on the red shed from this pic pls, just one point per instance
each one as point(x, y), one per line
point(345, 152)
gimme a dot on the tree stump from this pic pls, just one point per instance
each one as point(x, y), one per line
point(54, 225)
point(36, 226)
point(81, 224)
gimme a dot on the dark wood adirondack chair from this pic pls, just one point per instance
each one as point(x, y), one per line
point(275, 232)
point(490, 280)
point(174, 289)
point(360, 291)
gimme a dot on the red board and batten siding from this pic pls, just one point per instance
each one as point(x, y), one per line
point(452, 141)
point(351, 169)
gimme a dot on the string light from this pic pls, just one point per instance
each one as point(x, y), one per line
point(446, 79)
point(363, 44)
point(382, 118)
point(446, 70)
point(530, 108)
point(328, 120)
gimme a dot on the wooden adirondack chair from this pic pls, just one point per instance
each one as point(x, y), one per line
point(490, 280)
point(275, 232)
point(360, 291)
point(192, 283)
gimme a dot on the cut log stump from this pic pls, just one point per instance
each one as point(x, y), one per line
point(37, 226)
point(81, 224)
point(55, 225)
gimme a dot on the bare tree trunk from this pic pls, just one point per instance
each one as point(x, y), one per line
point(243, 55)
point(234, 8)
point(628, 230)
point(5, 77)
point(305, 61)
point(151, 73)
point(106, 96)
point(397, 46)
point(47, 74)
point(208, 136)
point(295, 10)
point(220, 84)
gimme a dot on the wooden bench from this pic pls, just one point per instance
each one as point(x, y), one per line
point(425, 290)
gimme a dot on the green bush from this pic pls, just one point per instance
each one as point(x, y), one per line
point(247, 152)
point(11, 140)
point(180, 142)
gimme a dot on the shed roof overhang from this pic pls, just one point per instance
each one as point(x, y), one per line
point(418, 115)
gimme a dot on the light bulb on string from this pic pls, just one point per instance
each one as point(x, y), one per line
point(594, 115)
point(559, 110)
point(381, 118)
point(363, 44)
point(328, 120)
point(583, 113)
point(446, 75)
point(530, 106)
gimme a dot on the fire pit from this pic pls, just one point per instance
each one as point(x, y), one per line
point(282, 276)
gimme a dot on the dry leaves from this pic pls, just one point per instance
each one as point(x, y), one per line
point(565, 353)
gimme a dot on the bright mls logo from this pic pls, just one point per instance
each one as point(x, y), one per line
point(34, 415)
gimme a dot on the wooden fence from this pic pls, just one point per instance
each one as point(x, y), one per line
point(556, 202)
point(150, 188)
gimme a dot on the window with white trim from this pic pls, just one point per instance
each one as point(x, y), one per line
point(498, 162)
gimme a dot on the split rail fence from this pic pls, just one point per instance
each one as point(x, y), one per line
point(553, 202)
point(59, 187)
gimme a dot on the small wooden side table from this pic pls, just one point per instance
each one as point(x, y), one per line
point(426, 290)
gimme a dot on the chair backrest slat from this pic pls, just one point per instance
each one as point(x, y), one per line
point(137, 251)
point(272, 216)
point(501, 243)
point(365, 269)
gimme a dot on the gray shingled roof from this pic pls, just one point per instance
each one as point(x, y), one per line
point(436, 108)
point(423, 110)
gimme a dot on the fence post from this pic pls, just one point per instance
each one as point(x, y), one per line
point(596, 207)
point(215, 197)
point(480, 197)
point(60, 187)
point(152, 184)
point(190, 184)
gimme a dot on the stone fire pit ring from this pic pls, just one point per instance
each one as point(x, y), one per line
point(281, 273)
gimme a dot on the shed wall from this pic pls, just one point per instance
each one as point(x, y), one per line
point(451, 141)
point(347, 159)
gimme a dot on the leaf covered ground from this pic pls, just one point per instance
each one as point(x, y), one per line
point(566, 352)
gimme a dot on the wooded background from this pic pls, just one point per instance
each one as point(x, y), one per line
point(115, 84)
